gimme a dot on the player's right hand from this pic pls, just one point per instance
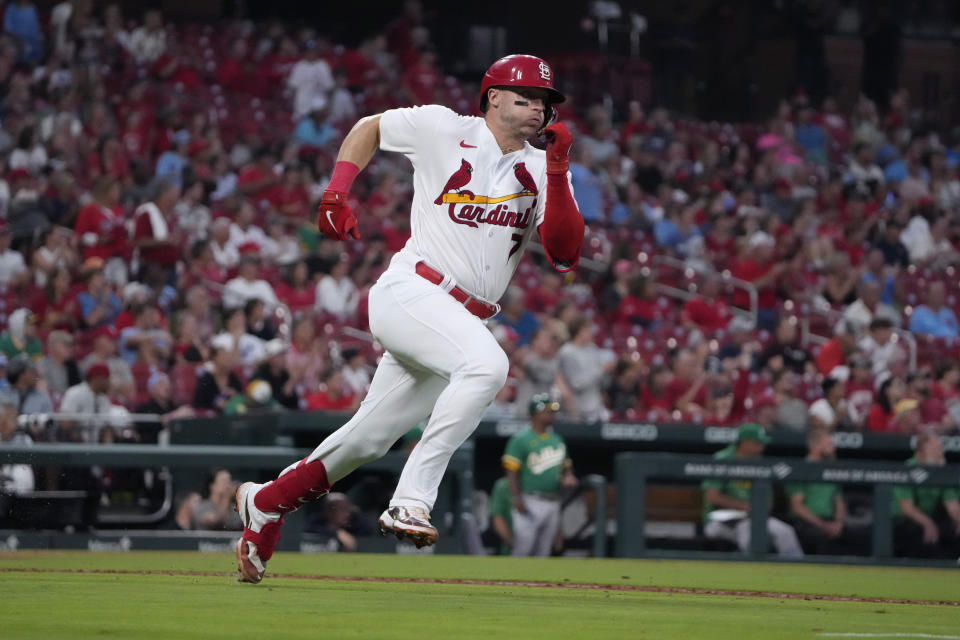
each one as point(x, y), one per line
point(335, 220)
point(559, 139)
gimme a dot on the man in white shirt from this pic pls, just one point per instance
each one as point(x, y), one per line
point(336, 293)
point(868, 306)
point(225, 254)
point(13, 268)
point(243, 231)
point(482, 192)
point(309, 78)
point(247, 286)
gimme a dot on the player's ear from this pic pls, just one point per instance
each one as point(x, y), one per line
point(493, 97)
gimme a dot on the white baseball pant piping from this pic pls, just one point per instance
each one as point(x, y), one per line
point(441, 361)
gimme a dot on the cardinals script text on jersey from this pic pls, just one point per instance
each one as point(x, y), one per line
point(474, 208)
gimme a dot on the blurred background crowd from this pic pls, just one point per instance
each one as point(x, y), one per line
point(158, 249)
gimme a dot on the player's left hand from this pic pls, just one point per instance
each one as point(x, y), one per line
point(336, 221)
point(559, 140)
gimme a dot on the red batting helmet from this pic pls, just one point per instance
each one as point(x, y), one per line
point(521, 71)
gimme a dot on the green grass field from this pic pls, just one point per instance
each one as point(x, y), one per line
point(194, 595)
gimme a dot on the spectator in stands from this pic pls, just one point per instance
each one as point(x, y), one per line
point(584, 367)
point(730, 499)
point(21, 335)
point(860, 392)
point(314, 130)
point(332, 394)
point(342, 523)
point(14, 478)
point(623, 392)
point(686, 391)
point(829, 413)
point(926, 519)
point(336, 292)
point(708, 311)
point(934, 318)
point(248, 286)
point(785, 352)
point(21, 21)
point(516, 315)
point(834, 352)
point(99, 306)
point(218, 383)
point(161, 402)
point(889, 391)
point(943, 405)
point(146, 341)
point(297, 291)
point(225, 254)
point(157, 242)
point(868, 306)
point(105, 341)
point(356, 372)
point(306, 360)
point(758, 267)
point(23, 378)
point(89, 397)
point(250, 349)
point(791, 411)
point(863, 175)
point(819, 509)
point(875, 270)
point(641, 306)
point(274, 372)
point(538, 368)
point(537, 470)
point(310, 79)
point(245, 235)
point(215, 512)
point(586, 184)
point(149, 41)
point(100, 230)
point(58, 368)
point(894, 253)
point(617, 285)
point(13, 268)
point(881, 348)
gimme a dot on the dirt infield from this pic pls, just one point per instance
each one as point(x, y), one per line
point(506, 583)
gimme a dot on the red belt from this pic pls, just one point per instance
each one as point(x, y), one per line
point(479, 308)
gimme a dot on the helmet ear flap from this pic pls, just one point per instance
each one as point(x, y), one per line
point(550, 116)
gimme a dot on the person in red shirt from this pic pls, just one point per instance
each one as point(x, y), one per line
point(835, 351)
point(297, 291)
point(759, 268)
point(291, 198)
point(153, 235)
point(889, 391)
point(333, 395)
point(654, 404)
point(545, 297)
point(422, 80)
point(641, 306)
point(235, 73)
point(257, 180)
point(687, 391)
point(708, 311)
point(99, 228)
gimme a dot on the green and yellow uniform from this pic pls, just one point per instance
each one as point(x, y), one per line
point(738, 489)
point(539, 460)
point(11, 347)
point(501, 505)
point(818, 497)
point(927, 499)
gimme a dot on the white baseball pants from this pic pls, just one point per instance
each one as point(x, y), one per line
point(782, 535)
point(535, 530)
point(441, 361)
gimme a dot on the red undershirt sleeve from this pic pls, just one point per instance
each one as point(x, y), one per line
point(561, 231)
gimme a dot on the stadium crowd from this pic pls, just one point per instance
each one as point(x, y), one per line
point(158, 248)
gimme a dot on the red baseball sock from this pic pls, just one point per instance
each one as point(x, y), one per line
point(304, 483)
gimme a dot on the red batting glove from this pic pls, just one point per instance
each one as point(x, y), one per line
point(336, 221)
point(559, 140)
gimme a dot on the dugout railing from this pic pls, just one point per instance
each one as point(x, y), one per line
point(635, 472)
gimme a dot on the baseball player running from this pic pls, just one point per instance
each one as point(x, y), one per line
point(537, 468)
point(481, 193)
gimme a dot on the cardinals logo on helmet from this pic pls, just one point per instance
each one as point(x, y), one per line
point(457, 181)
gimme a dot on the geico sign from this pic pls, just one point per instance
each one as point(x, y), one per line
point(848, 440)
point(642, 432)
point(950, 443)
point(719, 434)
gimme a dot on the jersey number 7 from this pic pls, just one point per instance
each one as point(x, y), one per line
point(517, 240)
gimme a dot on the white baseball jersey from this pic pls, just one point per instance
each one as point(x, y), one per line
point(474, 208)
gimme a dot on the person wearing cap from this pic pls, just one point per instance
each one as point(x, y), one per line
point(926, 519)
point(731, 499)
point(89, 397)
point(105, 345)
point(21, 335)
point(537, 469)
point(23, 378)
point(58, 367)
point(14, 478)
point(758, 267)
point(819, 510)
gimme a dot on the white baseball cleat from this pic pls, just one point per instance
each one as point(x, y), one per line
point(261, 532)
point(412, 523)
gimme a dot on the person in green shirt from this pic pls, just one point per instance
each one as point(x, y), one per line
point(501, 520)
point(819, 510)
point(926, 519)
point(21, 335)
point(726, 503)
point(537, 469)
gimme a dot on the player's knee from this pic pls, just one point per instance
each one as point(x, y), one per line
point(367, 449)
point(492, 368)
